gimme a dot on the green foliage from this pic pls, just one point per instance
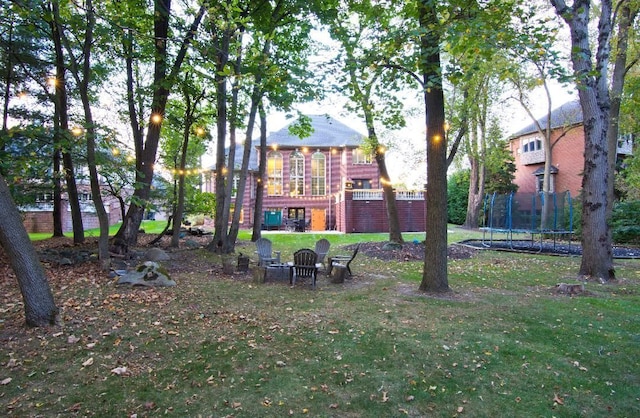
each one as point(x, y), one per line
point(625, 222)
point(201, 203)
point(457, 197)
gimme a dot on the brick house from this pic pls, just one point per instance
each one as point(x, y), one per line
point(567, 138)
point(325, 180)
point(38, 216)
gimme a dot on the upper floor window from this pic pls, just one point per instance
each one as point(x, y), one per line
point(234, 187)
point(85, 197)
point(318, 174)
point(274, 174)
point(44, 197)
point(361, 184)
point(361, 157)
point(532, 144)
point(296, 174)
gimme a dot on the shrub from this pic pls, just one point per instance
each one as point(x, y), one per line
point(625, 222)
point(457, 197)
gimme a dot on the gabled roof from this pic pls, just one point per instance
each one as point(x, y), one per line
point(568, 114)
point(327, 132)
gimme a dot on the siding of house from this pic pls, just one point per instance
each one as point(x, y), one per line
point(567, 158)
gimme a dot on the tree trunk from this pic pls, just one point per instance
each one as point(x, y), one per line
point(395, 233)
point(127, 235)
point(39, 306)
point(476, 193)
point(82, 76)
point(434, 276)
point(597, 254)
point(257, 213)
point(625, 19)
point(62, 106)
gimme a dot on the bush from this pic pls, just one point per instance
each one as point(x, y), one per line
point(457, 197)
point(625, 222)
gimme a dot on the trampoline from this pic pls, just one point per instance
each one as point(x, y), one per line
point(536, 214)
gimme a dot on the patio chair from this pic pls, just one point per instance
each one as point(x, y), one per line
point(322, 248)
point(265, 254)
point(304, 266)
point(343, 260)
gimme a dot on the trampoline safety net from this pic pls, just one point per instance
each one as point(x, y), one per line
point(529, 212)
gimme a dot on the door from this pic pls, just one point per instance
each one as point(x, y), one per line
point(318, 220)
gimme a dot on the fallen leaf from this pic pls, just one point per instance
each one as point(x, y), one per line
point(120, 371)
point(88, 362)
point(72, 339)
point(460, 409)
point(6, 381)
point(557, 399)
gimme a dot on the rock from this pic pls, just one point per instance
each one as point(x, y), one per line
point(570, 289)
point(391, 246)
point(156, 254)
point(148, 273)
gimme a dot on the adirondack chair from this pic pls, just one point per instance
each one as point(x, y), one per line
point(304, 266)
point(265, 255)
point(322, 248)
point(343, 260)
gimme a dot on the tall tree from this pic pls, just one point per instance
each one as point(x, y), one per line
point(627, 11)
point(39, 307)
point(590, 74)
point(363, 30)
point(62, 135)
point(86, 78)
point(434, 274)
point(164, 78)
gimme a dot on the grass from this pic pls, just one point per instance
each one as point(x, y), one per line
point(502, 343)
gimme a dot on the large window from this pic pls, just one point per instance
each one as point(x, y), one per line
point(532, 144)
point(360, 157)
point(274, 174)
point(318, 171)
point(296, 174)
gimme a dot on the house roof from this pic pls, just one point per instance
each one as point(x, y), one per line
point(568, 114)
point(327, 132)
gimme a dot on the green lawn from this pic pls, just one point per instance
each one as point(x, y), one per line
point(501, 344)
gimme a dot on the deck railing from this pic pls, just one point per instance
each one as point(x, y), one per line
point(376, 194)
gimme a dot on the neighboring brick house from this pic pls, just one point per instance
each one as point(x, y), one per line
point(567, 137)
point(326, 180)
point(38, 217)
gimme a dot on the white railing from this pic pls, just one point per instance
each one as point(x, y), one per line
point(367, 194)
point(410, 195)
point(376, 194)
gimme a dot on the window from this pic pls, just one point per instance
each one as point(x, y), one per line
point(85, 197)
point(296, 174)
point(360, 157)
point(532, 144)
point(318, 174)
point(234, 187)
point(361, 184)
point(44, 197)
point(274, 174)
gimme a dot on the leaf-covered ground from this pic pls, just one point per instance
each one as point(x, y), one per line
point(221, 345)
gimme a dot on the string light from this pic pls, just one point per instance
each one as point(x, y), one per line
point(156, 118)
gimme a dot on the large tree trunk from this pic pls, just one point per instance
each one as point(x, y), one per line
point(597, 254)
point(39, 306)
point(434, 275)
point(257, 212)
